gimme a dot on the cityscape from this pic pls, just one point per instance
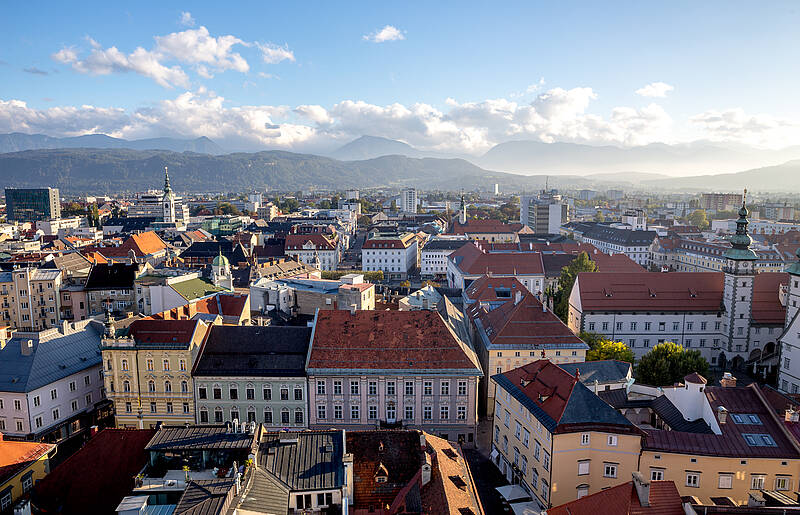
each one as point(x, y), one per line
point(232, 282)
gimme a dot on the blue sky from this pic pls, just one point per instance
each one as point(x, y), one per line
point(458, 76)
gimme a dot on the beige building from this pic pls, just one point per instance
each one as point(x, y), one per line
point(29, 298)
point(147, 366)
point(557, 439)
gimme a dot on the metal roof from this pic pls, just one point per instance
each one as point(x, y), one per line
point(54, 356)
point(209, 437)
point(306, 460)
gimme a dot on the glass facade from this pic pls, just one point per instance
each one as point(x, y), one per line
point(31, 205)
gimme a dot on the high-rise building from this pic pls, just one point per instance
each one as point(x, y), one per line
point(409, 199)
point(543, 213)
point(31, 205)
point(165, 205)
point(720, 201)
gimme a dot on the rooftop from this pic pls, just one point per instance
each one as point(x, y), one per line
point(16, 456)
point(196, 438)
point(195, 288)
point(623, 499)
point(107, 276)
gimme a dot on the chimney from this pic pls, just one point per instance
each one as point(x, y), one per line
point(577, 374)
point(517, 297)
point(353, 309)
point(27, 347)
point(728, 380)
point(722, 414)
point(642, 488)
point(792, 415)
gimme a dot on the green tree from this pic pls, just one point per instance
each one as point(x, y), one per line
point(599, 216)
point(698, 218)
point(591, 339)
point(606, 349)
point(669, 363)
point(569, 273)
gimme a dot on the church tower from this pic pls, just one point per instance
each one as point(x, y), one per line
point(462, 210)
point(738, 292)
point(221, 272)
point(168, 202)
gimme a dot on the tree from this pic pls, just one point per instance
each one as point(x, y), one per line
point(669, 363)
point(591, 339)
point(569, 273)
point(606, 349)
point(698, 218)
point(599, 216)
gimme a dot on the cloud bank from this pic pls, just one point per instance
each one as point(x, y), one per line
point(387, 33)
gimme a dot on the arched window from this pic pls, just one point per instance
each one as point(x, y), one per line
point(184, 386)
point(151, 386)
point(124, 364)
point(203, 416)
point(126, 386)
point(251, 414)
point(285, 416)
point(218, 414)
point(167, 386)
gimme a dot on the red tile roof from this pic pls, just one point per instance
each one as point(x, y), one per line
point(485, 288)
point(471, 260)
point(767, 307)
point(615, 263)
point(225, 304)
point(546, 384)
point(451, 490)
point(695, 378)
point(397, 340)
point(98, 476)
point(298, 241)
point(650, 291)
point(17, 456)
point(163, 331)
point(664, 499)
point(145, 243)
point(524, 323)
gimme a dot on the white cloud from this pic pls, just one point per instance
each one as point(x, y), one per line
point(186, 19)
point(655, 90)
point(273, 54)
point(197, 46)
point(207, 54)
point(387, 33)
point(557, 114)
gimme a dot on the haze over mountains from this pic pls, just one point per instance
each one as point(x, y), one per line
point(100, 162)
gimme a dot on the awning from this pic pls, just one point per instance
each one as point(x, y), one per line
point(513, 493)
point(493, 455)
point(527, 508)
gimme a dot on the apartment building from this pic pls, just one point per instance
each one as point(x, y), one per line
point(111, 287)
point(306, 296)
point(30, 205)
point(392, 369)
point(472, 262)
point(557, 439)
point(491, 231)
point(637, 245)
point(51, 381)
point(543, 213)
point(253, 374)
point(393, 253)
point(147, 365)
point(720, 201)
point(789, 372)
point(316, 249)
point(433, 257)
point(29, 298)
point(510, 327)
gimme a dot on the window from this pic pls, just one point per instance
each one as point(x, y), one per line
point(284, 394)
point(354, 412)
point(182, 365)
point(217, 393)
point(585, 439)
point(268, 416)
point(337, 387)
point(612, 440)
point(526, 437)
point(444, 413)
point(461, 413)
point(151, 386)
point(202, 393)
point(285, 416)
point(184, 387)
point(427, 412)
point(126, 386)
point(149, 364)
point(462, 388)
point(409, 387)
point(153, 407)
point(427, 388)
point(74, 405)
point(167, 386)
point(124, 364)
point(725, 481)
point(445, 388)
point(36, 401)
point(354, 387)
point(757, 482)
point(72, 386)
point(233, 391)
point(409, 413)
point(166, 365)
point(759, 440)
point(320, 387)
point(583, 468)
point(746, 418)
point(88, 399)
point(185, 407)
point(373, 412)
point(390, 388)
point(693, 479)
point(54, 394)
point(217, 415)
point(169, 407)
point(298, 416)
point(337, 412)
point(391, 413)
point(609, 470)
point(372, 388)
point(546, 461)
point(656, 474)
point(783, 483)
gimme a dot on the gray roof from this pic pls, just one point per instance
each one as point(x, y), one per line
point(614, 235)
point(205, 497)
point(606, 371)
point(54, 356)
point(209, 437)
point(254, 351)
point(445, 244)
point(266, 495)
point(307, 460)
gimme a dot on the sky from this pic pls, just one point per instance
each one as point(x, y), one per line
point(448, 76)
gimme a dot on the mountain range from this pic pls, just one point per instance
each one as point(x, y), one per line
point(200, 165)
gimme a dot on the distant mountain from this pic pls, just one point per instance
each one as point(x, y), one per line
point(684, 159)
point(368, 147)
point(17, 141)
point(115, 170)
point(783, 178)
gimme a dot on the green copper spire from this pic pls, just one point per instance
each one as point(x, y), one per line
point(167, 189)
point(741, 241)
point(794, 268)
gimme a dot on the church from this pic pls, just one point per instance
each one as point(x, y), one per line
point(734, 317)
point(165, 207)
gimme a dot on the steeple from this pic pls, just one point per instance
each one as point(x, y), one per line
point(794, 268)
point(740, 242)
point(167, 188)
point(462, 210)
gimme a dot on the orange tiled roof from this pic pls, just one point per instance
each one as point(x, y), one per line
point(144, 243)
point(664, 499)
point(15, 456)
